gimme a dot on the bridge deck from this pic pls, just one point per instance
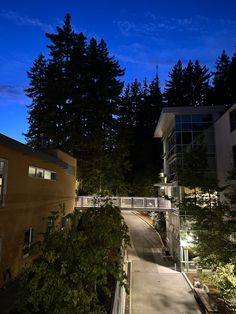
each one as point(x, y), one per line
point(128, 203)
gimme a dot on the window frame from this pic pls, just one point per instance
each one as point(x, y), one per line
point(37, 170)
point(27, 245)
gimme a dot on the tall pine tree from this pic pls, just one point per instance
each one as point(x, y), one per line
point(174, 89)
point(39, 114)
point(221, 88)
point(187, 86)
point(138, 115)
point(74, 105)
point(232, 80)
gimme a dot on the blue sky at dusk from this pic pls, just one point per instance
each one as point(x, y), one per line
point(140, 34)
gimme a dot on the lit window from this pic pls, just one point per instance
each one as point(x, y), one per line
point(39, 173)
point(232, 116)
point(32, 171)
point(47, 174)
point(28, 240)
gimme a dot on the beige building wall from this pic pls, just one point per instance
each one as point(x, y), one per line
point(224, 141)
point(29, 200)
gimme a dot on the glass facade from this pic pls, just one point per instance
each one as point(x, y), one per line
point(190, 131)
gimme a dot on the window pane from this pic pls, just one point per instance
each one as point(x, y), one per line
point(187, 137)
point(178, 138)
point(178, 118)
point(186, 118)
point(186, 126)
point(47, 174)
point(178, 127)
point(27, 237)
point(39, 173)
point(53, 176)
point(197, 136)
point(179, 149)
point(202, 118)
point(32, 171)
point(201, 126)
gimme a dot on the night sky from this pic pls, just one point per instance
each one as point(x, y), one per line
point(140, 34)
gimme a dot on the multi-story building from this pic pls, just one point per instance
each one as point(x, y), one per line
point(181, 128)
point(32, 184)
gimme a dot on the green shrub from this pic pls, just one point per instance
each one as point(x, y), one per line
point(226, 282)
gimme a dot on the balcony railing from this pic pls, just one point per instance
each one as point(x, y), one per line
point(127, 203)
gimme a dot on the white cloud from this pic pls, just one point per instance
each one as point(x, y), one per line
point(152, 25)
point(126, 27)
point(12, 95)
point(25, 20)
point(9, 90)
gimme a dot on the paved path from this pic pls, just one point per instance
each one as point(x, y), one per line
point(156, 286)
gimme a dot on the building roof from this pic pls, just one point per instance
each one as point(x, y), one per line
point(168, 114)
point(27, 150)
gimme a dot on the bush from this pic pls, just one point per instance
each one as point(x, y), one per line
point(76, 265)
point(226, 282)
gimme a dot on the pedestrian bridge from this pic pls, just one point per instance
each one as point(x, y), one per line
point(127, 203)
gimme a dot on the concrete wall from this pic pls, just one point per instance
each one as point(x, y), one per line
point(224, 140)
point(28, 201)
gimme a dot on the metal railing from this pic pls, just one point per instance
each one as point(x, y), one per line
point(125, 202)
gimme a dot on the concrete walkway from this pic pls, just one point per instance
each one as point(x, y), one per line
point(156, 287)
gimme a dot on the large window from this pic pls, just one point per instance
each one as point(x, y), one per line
point(232, 116)
point(3, 179)
point(41, 173)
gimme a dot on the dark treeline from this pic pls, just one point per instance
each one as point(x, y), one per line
point(80, 104)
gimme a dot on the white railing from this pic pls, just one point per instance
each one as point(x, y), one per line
point(125, 202)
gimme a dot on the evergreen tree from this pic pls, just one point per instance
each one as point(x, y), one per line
point(187, 86)
point(232, 80)
point(61, 47)
point(148, 150)
point(221, 88)
point(39, 114)
point(174, 89)
point(211, 219)
point(196, 84)
point(78, 107)
point(100, 107)
point(139, 111)
point(67, 65)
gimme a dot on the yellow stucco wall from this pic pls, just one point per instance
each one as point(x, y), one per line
point(28, 202)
